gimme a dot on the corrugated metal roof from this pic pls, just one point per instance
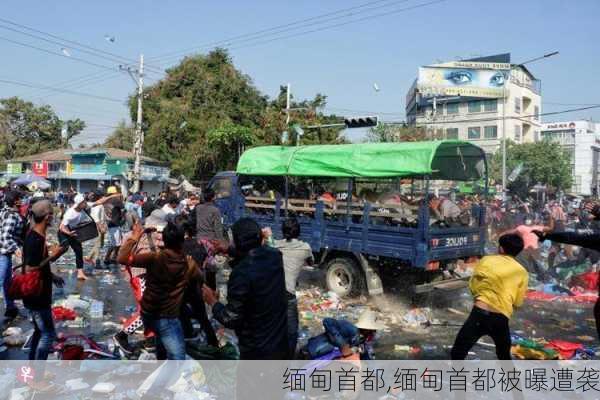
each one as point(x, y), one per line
point(66, 154)
point(53, 155)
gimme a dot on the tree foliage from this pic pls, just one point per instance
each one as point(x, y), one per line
point(122, 137)
point(198, 116)
point(397, 133)
point(543, 162)
point(28, 129)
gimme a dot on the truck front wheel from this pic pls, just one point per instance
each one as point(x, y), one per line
point(344, 277)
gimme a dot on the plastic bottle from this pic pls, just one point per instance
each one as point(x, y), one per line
point(96, 309)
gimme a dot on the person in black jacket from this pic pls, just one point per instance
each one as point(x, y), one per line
point(256, 296)
point(586, 238)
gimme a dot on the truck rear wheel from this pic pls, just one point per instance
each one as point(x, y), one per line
point(344, 277)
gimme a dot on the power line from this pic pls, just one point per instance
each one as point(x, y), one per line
point(37, 86)
point(281, 28)
point(72, 42)
point(58, 54)
point(566, 104)
point(67, 83)
point(395, 11)
point(82, 84)
point(363, 111)
point(500, 118)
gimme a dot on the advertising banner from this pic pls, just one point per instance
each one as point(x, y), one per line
point(14, 168)
point(40, 168)
point(443, 81)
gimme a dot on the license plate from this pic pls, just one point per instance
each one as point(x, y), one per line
point(454, 241)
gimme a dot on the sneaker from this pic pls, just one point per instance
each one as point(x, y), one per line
point(122, 342)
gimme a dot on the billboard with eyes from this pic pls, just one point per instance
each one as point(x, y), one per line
point(472, 80)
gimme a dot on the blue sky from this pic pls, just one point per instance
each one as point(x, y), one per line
point(342, 63)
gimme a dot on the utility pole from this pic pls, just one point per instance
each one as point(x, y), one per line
point(287, 105)
point(138, 77)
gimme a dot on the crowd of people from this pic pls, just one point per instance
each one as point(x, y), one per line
point(168, 247)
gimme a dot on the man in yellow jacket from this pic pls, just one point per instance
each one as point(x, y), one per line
point(499, 283)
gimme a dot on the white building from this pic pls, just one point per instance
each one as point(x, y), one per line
point(580, 140)
point(464, 100)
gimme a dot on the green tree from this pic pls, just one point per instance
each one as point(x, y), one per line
point(28, 129)
point(190, 115)
point(122, 137)
point(543, 162)
point(396, 133)
point(228, 142)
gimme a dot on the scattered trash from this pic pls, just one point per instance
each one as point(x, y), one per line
point(417, 317)
point(586, 338)
point(96, 309)
point(103, 387)
point(76, 384)
point(15, 340)
point(60, 313)
point(455, 311)
point(13, 331)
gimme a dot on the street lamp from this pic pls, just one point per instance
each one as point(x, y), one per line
point(504, 95)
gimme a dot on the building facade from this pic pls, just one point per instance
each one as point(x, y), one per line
point(580, 139)
point(479, 100)
point(85, 169)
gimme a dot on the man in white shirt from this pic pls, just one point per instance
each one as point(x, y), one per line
point(296, 254)
point(170, 208)
point(72, 217)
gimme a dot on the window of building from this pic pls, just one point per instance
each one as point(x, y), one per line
point(452, 108)
point(490, 105)
point(439, 109)
point(490, 132)
point(518, 133)
point(439, 133)
point(474, 132)
point(474, 106)
point(451, 133)
point(536, 113)
point(517, 104)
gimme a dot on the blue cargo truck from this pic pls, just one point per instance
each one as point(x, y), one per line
point(363, 207)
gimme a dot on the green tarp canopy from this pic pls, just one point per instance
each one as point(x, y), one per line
point(446, 160)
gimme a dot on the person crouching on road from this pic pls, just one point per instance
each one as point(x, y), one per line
point(354, 341)
point(499, 284)
point(167, 276)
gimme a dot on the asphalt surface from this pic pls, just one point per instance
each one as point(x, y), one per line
point(444, 312)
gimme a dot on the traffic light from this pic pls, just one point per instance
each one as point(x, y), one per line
point(360, 122)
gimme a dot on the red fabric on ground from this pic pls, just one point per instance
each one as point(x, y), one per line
point(588, 281)
point(566, 349)
point(63, 314)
